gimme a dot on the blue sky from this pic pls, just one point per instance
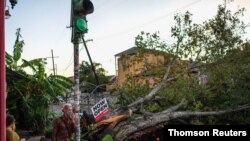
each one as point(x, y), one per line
point(113, 26)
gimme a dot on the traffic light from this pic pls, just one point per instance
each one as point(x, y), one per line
point(81, 8)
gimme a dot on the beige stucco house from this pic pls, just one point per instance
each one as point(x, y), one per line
point(140, 66)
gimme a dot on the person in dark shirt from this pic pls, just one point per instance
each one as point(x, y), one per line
point(64, 126)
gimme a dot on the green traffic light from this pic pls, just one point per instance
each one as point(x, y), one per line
point(81, 24)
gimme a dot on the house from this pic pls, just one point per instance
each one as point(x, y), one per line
point(141, 66)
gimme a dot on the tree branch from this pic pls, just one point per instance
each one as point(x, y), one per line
point(124, 130)
point(190, 113)
point(173, 108)
point(154, 91)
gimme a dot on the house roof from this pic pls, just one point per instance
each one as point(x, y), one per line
point(129, 51)
point(134, 50)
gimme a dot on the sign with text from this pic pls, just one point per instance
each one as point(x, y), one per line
point(100, 109)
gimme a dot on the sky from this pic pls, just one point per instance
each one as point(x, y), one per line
point(113, 27)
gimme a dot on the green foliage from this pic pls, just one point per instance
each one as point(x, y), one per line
point(206, 42)
point(18, 47)
point(107, 138)
point(128, 93)
point(87, 76)
point(217, 46)
point(150, 41)
point(228, 87)
point(29, 95)
point(48, 131)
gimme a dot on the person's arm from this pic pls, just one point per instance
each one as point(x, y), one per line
point(73, 127)
point(55, 130)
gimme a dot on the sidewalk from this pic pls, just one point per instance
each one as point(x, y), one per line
point(37, 138)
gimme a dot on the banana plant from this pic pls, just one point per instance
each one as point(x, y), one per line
point(31, 92)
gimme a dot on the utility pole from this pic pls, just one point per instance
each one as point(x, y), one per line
point(2, 73)
point(53, 62)
point(91, 62)
point(56, 68)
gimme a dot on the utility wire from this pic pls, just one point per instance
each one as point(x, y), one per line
point(71, 59)
point(114, 6)
point(103, 4)
point(69, 64)
point(149, 22)
point(136, 27)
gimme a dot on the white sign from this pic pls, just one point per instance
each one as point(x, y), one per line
point(203, 79)
point(100, 109)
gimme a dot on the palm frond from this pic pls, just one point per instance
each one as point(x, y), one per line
point(28, 64)
point(9, 59)
point(18, 47)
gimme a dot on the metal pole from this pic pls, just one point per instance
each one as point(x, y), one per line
point(76, 88)
point(91, 62)
point(2, 74)
point(76, 96)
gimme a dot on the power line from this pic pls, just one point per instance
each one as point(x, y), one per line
point(71, 60)
point(104, 3)
point(136, 27)
point(149, 22)
point(114, 6)
point(69, 64)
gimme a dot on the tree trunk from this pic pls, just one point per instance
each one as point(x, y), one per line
point(142, 125)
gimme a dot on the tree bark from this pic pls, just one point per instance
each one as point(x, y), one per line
point(127, 129)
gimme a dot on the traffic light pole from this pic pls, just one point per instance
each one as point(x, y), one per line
point(79, 10)
point(77, 92)
point(77, 89)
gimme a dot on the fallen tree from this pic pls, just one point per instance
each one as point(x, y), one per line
point(122, 125)
point(147, 122)
point(217, 50)
point(128, 129)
